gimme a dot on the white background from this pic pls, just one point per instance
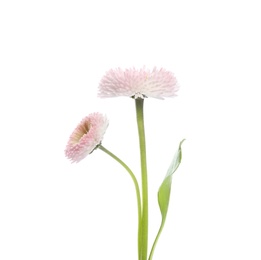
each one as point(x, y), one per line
point(52, 57)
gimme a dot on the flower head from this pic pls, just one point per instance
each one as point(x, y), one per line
point(158, 83)
point(86, 137)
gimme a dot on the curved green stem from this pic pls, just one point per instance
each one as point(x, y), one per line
point(136, 188)
point(144, 219)
point(156, 240)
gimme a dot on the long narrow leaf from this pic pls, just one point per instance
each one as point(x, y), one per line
point(164, 193)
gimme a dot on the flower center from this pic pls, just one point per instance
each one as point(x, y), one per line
point(86, 127)
point(82, 131)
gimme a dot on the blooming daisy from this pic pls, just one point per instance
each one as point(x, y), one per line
point(156, 83)
point(86, 137)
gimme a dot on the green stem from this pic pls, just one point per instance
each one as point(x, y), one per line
point(136, 188)
point(144, 219)
point(156, 240)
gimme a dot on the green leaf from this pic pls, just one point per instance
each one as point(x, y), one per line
point(164, 193)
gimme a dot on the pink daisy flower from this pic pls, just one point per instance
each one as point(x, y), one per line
point(86, 137)
point(158, 83)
